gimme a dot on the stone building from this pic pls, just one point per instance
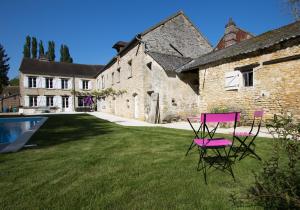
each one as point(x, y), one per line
point(10, 99)
point(145, 69)
point(262, 72)
point(51, 86)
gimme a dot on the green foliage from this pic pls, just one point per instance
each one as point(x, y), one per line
point(34, 48)
point(4, 68)
point(41, 49)
point(102, 93)
point(219, 110)
point(51, 51)
point(65, 54)
point(14, 82)
point(278, 185)
point(26, 50)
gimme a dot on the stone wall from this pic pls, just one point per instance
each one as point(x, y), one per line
point(124, 105)
point(276, 86)
point(181, 34)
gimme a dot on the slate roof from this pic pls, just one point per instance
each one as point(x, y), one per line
point(10, 91)
point(169, 62)
point(263, 41)
point(31, 66)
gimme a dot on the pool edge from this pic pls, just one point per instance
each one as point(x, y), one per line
point(23, 139)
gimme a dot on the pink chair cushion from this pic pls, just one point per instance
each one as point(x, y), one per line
point(220, 142)
point(243, 134)
point(258, 113)
point(220, 117)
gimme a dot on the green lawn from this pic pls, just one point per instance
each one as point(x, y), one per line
point(82, 162)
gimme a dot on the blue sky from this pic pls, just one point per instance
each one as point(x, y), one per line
point(90, 28)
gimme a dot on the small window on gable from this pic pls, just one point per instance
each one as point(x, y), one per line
point(113, 78)
point(149, 65)
point(130, 69)
point(248, 78)
point(118, 75)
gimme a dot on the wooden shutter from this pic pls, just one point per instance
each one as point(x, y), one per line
point(232, 80)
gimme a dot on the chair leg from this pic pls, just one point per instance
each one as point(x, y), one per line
point(190, 147)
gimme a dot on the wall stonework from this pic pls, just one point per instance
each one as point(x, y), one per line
point(276, 87)
point(180, 33)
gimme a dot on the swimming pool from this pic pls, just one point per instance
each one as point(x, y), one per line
point(15, 132)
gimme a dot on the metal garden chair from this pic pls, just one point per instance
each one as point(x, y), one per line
point(246, 139)
point(216, 152)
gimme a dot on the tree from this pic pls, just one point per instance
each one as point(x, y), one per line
point(51, 51)
point(26, 51)
point(34, 48)
point(4, 67)
point(295, 8)
point(14, 81)
point(65, 54)
point(41, 49)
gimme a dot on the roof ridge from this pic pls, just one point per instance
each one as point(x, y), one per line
point(59, 62)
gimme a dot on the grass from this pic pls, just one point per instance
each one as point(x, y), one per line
point(82, 162)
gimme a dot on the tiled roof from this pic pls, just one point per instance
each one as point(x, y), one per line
point(263, 41)
point(169, 62)
point(31, 66)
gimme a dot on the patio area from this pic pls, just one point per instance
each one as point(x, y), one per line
point(83, 162)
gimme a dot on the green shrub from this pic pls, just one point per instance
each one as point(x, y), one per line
point(277, 186)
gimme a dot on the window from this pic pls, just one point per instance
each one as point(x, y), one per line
point(85, 84)
point(64, 83)
point(130, 69)
point(49, 100)
point(32, 101)
point(80, 101)
point(103, 81)
point(65, 101)
point(118, 75)
point(112, 78)
point(49, 82)
point(32, 82)
point(149, 65)
point(248, 78)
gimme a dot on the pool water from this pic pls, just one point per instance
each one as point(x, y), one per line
point(12, 128)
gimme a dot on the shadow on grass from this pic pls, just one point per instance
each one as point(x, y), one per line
point(59, 129)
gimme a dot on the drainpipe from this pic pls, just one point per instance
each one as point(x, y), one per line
point(74, 94)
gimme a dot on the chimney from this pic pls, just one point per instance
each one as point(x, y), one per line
point(43, 58)
point(230, 33)
point(120, 45)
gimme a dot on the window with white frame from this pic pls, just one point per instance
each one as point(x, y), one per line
point(49, 101)
point(85, 84)
point(65, 101)
point(64, 83)
point(32, 101)
point(103, 81)
point(129, 69)
point(49, 82)
point(118, 75)
point(248, 77)
point(32, 82)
